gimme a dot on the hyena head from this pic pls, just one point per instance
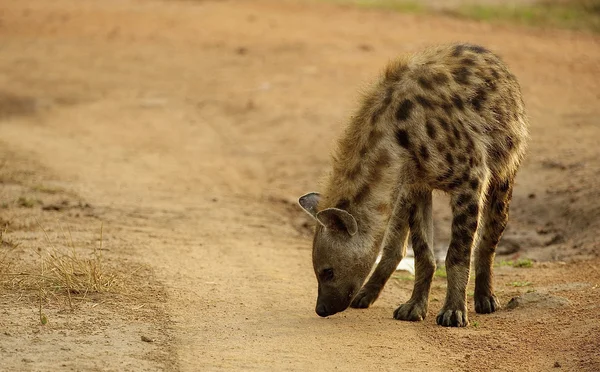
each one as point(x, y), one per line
point(341, 258)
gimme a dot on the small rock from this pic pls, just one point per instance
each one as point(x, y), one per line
point(557, 365)
point(241, 51)
point(551, 164)
point(147, 339)
point(556, 239)
point(543, 230)
point(537, 299)
point(508, 246)
point(531, 196)
point(365, 47)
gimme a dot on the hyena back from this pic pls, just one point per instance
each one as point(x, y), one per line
point(449, 118)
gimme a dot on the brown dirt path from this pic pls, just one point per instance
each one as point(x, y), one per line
point(194, 125)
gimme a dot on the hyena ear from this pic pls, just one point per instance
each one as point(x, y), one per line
point(338, 219)
point(309, 203)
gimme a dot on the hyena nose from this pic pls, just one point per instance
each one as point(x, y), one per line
point(321, 310)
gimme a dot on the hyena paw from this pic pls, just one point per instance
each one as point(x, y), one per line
point(452, 318)
point(486, 304)
point(411, 311)
point(364, 298)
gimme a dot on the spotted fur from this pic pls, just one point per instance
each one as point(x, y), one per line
point(449, 118)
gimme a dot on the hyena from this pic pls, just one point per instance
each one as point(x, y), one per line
point(448, 118)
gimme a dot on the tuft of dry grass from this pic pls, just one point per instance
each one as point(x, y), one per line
point(62, 272)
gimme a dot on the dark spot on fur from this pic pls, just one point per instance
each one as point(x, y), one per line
point(444, 124)
point(402, 138)
point(425, 102)
point(477, 49)
point(343, 204)
point(460, 219)
point(468, 61)
point(388, 96)
point(448, 108)
point(374, 137)
point(449, 158)
point(363, 151)
point(496, 152)
point(461, 158)
point(395, 74)
point(458, 102)
point(456, 133)
point(424, 83)
point(500, 207)
point(404, 110)
point(495, 74)
point(458, 50)
point(461, 75)
point(440, 78)
point(424, 153)
point(473, 209)
point(474, 183)
point(466, 175)
point(455, 183)
point(470, 145)
point(355, 171)
point(440, 146)
point(383, 160)
point(451, 142)
point(479, 99)
point(463, 199)
point(362, 193)
point(509, 143)
point(504, 186)
point(431, 131)
point(472, 226)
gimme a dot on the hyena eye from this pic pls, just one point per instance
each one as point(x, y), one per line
point(327, 274)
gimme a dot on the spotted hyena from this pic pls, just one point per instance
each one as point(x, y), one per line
point(449, 118)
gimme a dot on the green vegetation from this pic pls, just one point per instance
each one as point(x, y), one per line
point(520, 284)
point(574, 14)
point(522, 262)
point(47, 189)
point(26, 202)
point(405, 6)
point(403, 277)
point(570, 14)
point(440, 272)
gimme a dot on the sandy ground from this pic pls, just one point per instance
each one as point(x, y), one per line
point(188, 129)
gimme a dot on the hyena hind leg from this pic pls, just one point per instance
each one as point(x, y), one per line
point(393, 252)
point(421, 235)
point(494, 222)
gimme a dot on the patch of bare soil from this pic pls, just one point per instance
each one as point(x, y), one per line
point(188, 128)
point(113, 302)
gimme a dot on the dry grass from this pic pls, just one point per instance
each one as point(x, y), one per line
point(60, 272)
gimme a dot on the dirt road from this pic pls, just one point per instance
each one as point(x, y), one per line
point(192, 126)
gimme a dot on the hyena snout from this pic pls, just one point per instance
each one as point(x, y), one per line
point(329, 303)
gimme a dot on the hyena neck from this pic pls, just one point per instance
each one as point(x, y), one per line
point(365, 170)
point(367, 199)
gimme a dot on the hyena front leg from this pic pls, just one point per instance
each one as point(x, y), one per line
point(421, 235)
point(495, 220)
point(393, 252)
point(466, 203)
